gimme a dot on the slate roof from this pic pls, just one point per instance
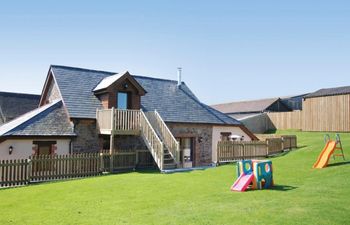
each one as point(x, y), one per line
point(174, 104)
point(107, 81)
point(245, 106)
point(13, 105)
point(329, 92)
point(76, 87)
point(48, 120)
point(178, 104)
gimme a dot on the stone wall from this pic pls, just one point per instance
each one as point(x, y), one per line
point(53, 92)
point(202, 135)
point(87, 139)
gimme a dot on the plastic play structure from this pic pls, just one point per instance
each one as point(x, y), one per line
point(258, 173)
point(328, 150)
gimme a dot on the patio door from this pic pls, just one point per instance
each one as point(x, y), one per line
point(187, 151)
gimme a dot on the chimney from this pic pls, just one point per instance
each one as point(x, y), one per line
point(179, 70)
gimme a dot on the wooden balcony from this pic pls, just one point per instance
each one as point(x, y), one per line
point(153, 130)
point(118, 122)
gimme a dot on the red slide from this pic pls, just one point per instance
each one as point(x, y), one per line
point(242, 182)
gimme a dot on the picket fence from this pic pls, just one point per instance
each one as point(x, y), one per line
point(41, 168)
point(229, 151)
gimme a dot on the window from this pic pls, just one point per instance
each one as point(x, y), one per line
point(225, 136)
point(45, 147)
point(122, 100)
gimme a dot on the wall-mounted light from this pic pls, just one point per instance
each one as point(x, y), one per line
point(126, 86)
point(200, 139)
point(10, 150)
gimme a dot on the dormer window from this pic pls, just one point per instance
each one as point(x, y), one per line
point(121, 91)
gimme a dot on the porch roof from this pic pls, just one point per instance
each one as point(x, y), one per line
point(48, 120)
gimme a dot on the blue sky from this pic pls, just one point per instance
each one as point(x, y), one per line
point(229, 50)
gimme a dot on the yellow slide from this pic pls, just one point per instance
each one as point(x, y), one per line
point(326, 153)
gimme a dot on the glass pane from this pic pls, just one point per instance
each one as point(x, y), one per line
point(122, 100)
point(186, 149)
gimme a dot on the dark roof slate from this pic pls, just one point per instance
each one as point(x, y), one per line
point(50, 122)
point(178, 104)
point(76, 87)
point(174, 104)
point(13, 105)
point(329, 92)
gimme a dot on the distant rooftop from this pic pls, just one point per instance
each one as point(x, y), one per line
point(329, 92)
point(245, 106)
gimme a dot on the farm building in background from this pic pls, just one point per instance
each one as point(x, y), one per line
point(327, 109)
point(294, 102)
point(253, 113)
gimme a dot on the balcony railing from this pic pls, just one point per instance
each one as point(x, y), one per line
point(131, 122)
point(118, 121)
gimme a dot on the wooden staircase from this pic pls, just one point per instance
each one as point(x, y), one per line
point(150, 126)
point(171, 145)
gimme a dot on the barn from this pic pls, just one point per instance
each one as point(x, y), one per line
point(253, 113)
point(327, 109)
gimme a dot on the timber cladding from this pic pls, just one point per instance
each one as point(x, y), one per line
point(326, 113)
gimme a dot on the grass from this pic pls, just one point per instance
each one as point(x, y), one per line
point(301, 196)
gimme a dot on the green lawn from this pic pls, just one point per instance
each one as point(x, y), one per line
point(301, 196)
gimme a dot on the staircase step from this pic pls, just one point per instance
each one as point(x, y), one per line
point(168, 160)
point(167, 155)
point(168, 166)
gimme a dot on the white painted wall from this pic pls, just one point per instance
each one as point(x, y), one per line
point(216, 137)
point(22, 148)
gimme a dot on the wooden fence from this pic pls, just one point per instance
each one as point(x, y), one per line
point(229, 151)
point(286, 120)
point(14, 172)
point(55, 167)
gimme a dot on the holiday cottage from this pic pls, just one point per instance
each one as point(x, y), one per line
point(84, 110)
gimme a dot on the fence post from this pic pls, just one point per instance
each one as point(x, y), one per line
point(29, 169)
point(217, 154)
point(243, 150)
point(136, 159)
point(101, 162)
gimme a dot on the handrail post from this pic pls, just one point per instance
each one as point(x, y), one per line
point(162, 156)
point(111, 144)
